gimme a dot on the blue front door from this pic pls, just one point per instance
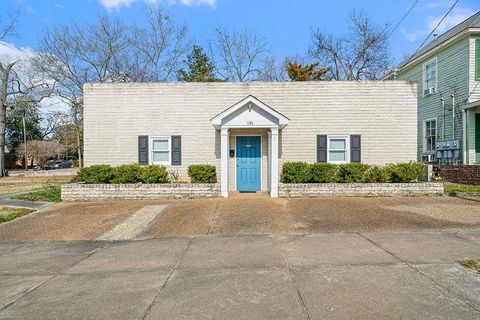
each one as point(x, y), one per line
point(248, 164)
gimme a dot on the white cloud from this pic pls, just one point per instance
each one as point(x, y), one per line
point(438, 4)
point(10, 53)
point(117, 4)
point(455, 17)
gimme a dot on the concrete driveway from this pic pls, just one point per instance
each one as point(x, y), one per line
point(247, 215)
point(384, 275)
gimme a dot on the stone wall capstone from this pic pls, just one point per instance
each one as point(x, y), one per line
point(293, 190)
point(88, 192)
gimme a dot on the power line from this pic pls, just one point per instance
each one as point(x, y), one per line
point(471, 92)
point(434, 29)
point(439, 60)
point(403, 18)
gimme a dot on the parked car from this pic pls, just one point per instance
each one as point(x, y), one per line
point(57, 164)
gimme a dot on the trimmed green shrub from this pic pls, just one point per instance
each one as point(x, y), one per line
point(322, 172)
point(202, 173)
point(296, 172)
point(377, 174)
point(352, 172)
point(127, 173)
point(100, 173)
point(407, 172)
point(153, 174)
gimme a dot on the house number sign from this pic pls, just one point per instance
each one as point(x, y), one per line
point(249, 123)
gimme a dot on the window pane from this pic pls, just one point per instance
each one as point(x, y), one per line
point(337, 156)
point(160, 144)
point(161, 156)
point(338, 144)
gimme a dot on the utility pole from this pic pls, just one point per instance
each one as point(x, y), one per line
point(443, 120)
point(453, 116)
point(25, 142)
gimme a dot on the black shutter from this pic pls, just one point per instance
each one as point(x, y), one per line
point(143, 149)
point(355, 148)
point(176, 150)
point(321, 148)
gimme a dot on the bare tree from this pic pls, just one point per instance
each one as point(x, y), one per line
point(51, 121)
point(66, 134)
point(158, 48)
point(362, 54)
point(17, 83)
point(239, 56)
point(272, 71)
point(109, 50)
point(7, 29)
point(40, 150)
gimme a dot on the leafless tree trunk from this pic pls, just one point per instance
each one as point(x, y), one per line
point(109, 50)
point(6, 30)
point(238, 56)
point(360, 55)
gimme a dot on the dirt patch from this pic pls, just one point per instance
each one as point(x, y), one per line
point(367, 214)
point(70, 221)
point(456, 209)
point(184, 218)
point(20, 183)
point(257, 214)
point(238, 215)
point(248, 215)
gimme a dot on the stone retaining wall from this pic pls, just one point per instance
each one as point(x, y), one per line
point(465, 174)
point(45, 173)
point(81, 192)
point(358, 189)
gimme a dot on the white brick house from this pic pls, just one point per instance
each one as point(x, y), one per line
point(247, 130)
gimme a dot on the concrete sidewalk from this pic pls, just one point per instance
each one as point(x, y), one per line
point(6, 200)
point(386, 275)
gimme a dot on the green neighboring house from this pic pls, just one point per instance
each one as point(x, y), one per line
point(447, 71)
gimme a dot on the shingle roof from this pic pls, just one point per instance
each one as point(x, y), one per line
point(472, 22)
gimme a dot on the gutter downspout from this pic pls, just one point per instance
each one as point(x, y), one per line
point(464, 137)
point(453, 116)
point(443, 122)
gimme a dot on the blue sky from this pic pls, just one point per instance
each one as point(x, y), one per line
point(286, 24)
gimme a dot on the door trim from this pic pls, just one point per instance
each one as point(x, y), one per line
point(261, 158)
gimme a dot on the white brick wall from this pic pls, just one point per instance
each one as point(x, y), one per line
point(384, 113)
point(82, 192)
point(358, 189)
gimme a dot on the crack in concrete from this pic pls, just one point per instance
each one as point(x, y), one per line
point(53, 276)
point(453, 295)
point(294, 281)
point(155, 298)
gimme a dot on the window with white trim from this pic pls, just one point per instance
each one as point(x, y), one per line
point(160, 150)
point(430, 77)
point(338, 149)
point(430, 136)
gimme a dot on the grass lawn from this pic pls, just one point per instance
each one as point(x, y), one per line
point(9, 213)
point(471, 264)
point(21, 184)
point(461, 188)
point(49, 194)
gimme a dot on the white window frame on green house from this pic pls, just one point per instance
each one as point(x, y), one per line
point(346, 150)
point(428, 135)
point(477, 59)
point(428, 78)
point(168, 150)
